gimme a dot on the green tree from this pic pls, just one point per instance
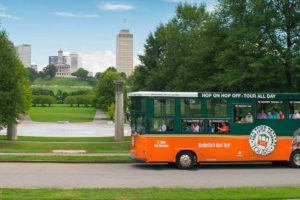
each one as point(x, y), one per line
point(81, 74)
point(111, 111)
point(32, 74)
point(50, 71)
point(105, 89)
point(15, 91)
point(70, 100)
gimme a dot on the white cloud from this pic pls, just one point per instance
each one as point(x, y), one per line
point(78, 15)
point(8, 16)
point(115, 7)
point(99, 61)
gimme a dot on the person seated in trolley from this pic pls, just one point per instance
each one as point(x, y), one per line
point(296, 115)
point(195, 127)
point(211, 127)
point(223, 128)
point(249, 118)
point(262, 115)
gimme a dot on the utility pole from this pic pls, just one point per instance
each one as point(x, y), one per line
point(119, 112)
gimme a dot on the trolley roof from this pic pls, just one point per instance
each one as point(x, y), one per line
point(218, 95)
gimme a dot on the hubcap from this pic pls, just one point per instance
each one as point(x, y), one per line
point(185, 160)
point(297, 159)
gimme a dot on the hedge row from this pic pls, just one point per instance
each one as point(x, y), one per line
point(43, 100)
point(78, 100)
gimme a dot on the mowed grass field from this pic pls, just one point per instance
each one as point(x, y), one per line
point(61, 112)
point(153, 193)
point(61, 81)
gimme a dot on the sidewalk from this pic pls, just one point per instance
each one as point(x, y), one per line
point(100, 127)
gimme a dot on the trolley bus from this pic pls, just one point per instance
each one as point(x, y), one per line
point(187, 128)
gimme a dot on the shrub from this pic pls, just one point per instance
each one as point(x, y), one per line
point(71, 100)
point(43, 100)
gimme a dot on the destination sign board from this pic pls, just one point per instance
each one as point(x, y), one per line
point(238, 95)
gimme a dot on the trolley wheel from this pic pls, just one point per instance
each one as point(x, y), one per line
point(185, 160)
point(295, 159)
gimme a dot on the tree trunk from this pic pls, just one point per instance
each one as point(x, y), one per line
point(12, 132)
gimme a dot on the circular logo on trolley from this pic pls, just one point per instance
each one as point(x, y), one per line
point(262, 140)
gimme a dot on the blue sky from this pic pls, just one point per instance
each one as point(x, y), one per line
point(87, 27)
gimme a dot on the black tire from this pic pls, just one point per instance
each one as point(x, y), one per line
point(185, 160)
point(295, 159)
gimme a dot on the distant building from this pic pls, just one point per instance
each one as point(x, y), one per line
point(63, 69)
point(73, 60)
point(125, 52)
point(24, 54)
point(34, 66)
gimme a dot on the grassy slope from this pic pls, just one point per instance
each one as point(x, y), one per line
point(62, 113)
point(153, 193)
point(61, 81)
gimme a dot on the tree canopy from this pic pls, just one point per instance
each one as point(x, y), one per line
point(241, 46)
point(49, 71)
point(15, 91)
point(105, 89)
point(81, 74)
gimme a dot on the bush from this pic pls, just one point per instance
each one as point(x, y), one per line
point(111, 111)
point(85, 100)
point(43, 100)
point(71, 100)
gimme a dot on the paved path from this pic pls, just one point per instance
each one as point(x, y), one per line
point(41, 175)
point(100, 127)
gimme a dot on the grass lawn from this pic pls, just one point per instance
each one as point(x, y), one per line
point(46, 147)
point(65, 158)
point(62, 139)
point(153, 193)
point(47, 144)
point(62, 112)
point(61, 81)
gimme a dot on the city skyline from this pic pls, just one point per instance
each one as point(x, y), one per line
point(88, 28)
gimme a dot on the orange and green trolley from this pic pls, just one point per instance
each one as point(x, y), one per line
point(187, 128)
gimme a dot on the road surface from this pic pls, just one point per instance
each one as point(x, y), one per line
point(50, 175)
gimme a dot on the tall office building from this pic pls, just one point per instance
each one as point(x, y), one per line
point(24, 54)
point(74, 62)
point(125, 52)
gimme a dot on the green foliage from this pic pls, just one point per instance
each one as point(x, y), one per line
point(79, 92)
point(98, 75)
point(40, 91)
point(71, 100)
point(81, 74)
point(32, 74)
point(241, 46)
point(105, 89)
point(43, 100)
point(111, 111)
point(85, 100)
point(60, 96)
point(49, 71)
point(15, 92)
